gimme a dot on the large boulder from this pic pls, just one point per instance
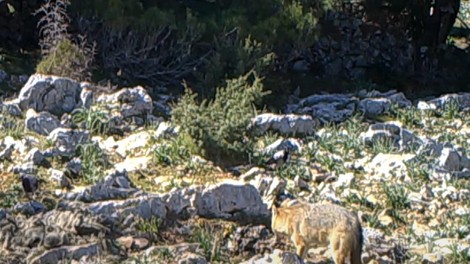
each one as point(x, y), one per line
point(56, 95)
point(42, 123)
point(375, 103)
point(233, 201)
point(66, 253)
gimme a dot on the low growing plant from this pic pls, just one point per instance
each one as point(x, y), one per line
point(384, 145)
point(451, 109)
point(409, 116)
point(151, 225)
point(93, 162)
point(10, 126)
point(208, 239)
point(10, 197)
point(397, 196)
point(94, 119)
point(172, 152)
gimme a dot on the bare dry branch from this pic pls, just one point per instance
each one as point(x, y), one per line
point(154, 56)
point(158, 57)
point(52, 24)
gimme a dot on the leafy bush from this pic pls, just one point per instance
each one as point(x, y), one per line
point(219, 125)
point(68, 60)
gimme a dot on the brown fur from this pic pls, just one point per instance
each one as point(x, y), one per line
point(310, 225)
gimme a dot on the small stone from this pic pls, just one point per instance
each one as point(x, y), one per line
point(7, 152)
point(52, 240)
point(277, 256)
point(433, 258)
point(449, 159)
point(192, 258)
point(25, 168)
point(37, 158)
point(252, 173)
point(140, 244)
point(126, 241)
point(344, 180)
point(73, 167)
point(385, 219)
point(462, 211)
point(300, 183)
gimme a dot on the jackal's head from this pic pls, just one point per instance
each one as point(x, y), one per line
point(279, 220)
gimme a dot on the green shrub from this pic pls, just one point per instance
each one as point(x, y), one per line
point(66, 59)
point(219, 125)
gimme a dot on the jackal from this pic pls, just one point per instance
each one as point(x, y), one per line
point(317, 224)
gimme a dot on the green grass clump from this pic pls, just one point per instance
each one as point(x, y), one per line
point(10, 197)
point(94, 119)
point(396, 196)
point(11, 126)
point(151, 225)
point(93, 162)
point(174, 151)
point(208, 238)
point(451, 110)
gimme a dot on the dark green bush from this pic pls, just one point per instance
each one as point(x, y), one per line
point(231, 58)
point(219, 125)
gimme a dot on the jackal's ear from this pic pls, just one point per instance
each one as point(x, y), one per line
point(271, 201)
point(274, 209)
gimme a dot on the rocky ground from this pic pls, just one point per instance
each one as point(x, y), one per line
point(116, 185)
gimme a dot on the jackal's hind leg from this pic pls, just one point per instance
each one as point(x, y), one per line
point(338, 251)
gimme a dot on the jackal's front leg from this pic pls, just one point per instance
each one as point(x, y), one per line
point(299, 245)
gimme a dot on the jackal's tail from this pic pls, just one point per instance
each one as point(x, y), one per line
point(357, 250)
